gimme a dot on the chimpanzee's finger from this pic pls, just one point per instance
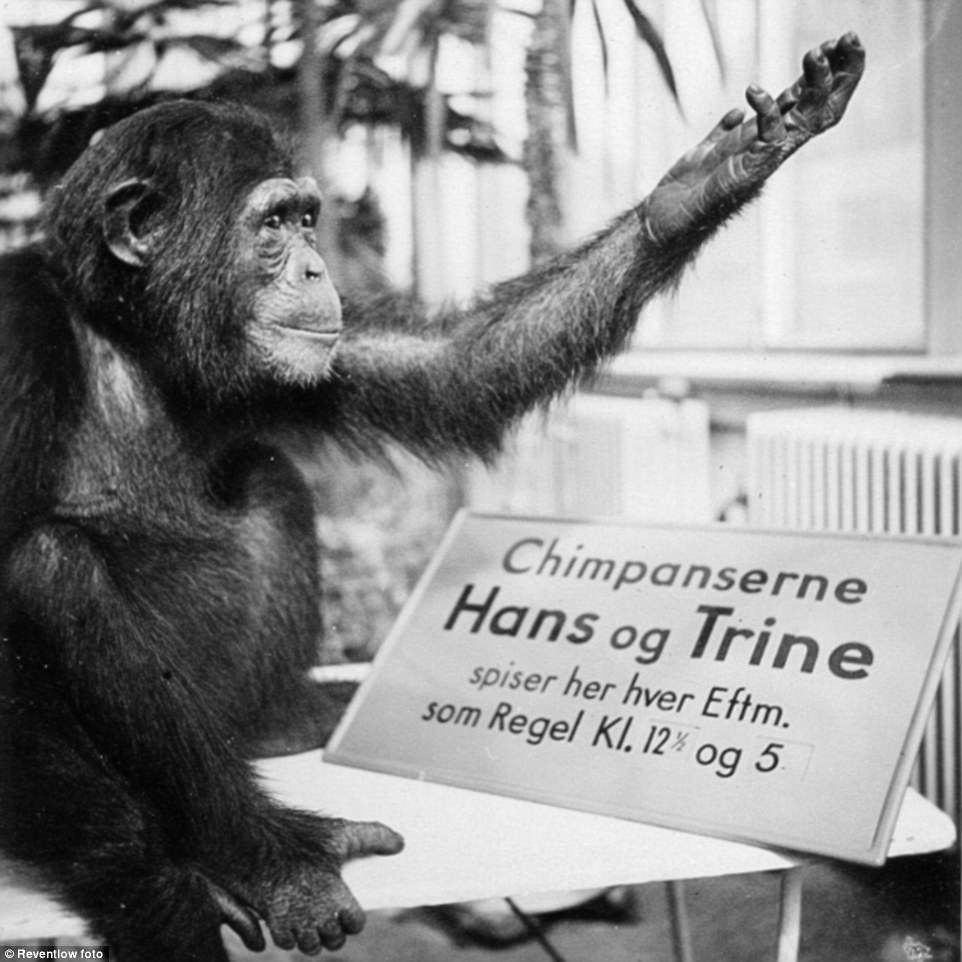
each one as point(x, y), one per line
point(309, 941)
point(729, 122)
point(352, 918)
point(771, 128)
point(816, 69)
point(847, 60)
point(356, 839)
point(331, 934)
point(789, 97)
point(240, 918)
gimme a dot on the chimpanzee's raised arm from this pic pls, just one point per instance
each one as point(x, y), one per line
point(455, 383)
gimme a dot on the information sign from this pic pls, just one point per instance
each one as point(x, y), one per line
point(765, 686)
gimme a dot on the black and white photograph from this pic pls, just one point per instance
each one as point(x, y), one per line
point(481, 480)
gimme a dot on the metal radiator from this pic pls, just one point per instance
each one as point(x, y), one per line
point(598, 456)
point(873, 471)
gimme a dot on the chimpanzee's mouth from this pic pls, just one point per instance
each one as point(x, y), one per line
point(312, 334)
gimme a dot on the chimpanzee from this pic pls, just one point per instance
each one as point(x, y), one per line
point(159, 587)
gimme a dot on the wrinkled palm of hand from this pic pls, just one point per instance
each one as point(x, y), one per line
point(736, 158)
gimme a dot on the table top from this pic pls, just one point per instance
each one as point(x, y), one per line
point(463, 845)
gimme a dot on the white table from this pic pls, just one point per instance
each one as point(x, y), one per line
point(464, 845)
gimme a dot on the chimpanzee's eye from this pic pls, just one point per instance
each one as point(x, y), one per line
point(309, 220)
point(273, 221)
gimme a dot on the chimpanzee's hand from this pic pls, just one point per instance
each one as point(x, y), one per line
point(730, 165)
point(299, 892)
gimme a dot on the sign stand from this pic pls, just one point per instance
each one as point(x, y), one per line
point(790, 916)
point(680, 928)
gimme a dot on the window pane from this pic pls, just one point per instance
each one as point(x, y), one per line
point(833, 255)
point(719, 304)
point(857, 259)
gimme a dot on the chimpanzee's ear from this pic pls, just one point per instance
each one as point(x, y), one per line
point(126, 223)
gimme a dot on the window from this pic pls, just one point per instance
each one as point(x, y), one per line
point(835, 256)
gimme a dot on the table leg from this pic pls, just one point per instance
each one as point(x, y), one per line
point(680, 929)
point(790, 915)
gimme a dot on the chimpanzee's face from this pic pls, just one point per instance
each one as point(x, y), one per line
point(295, 312)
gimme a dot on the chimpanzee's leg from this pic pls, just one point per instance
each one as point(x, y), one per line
point(76, 823)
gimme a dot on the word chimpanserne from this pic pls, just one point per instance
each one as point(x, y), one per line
point(721, 633)
point(532, 556)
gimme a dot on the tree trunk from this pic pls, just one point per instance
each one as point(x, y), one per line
point(315, 135)
point(547, 86)
point(428, 227)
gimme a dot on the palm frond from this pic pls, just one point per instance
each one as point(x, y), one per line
point(709, 9)
point(649, 34)
point(602, 41)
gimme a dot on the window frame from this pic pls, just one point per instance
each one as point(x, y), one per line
point(926, 375)
point(942, 250)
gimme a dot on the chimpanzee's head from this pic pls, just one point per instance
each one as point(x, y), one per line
point(189, 241)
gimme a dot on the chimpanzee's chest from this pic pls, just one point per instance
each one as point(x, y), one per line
point(236, 569)
point(265, 512)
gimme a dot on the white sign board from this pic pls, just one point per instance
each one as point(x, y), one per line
point(769, 687)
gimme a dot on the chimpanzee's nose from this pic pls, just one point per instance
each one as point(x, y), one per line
point(314, 266)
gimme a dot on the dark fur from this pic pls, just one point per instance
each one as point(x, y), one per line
point(158, 558)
